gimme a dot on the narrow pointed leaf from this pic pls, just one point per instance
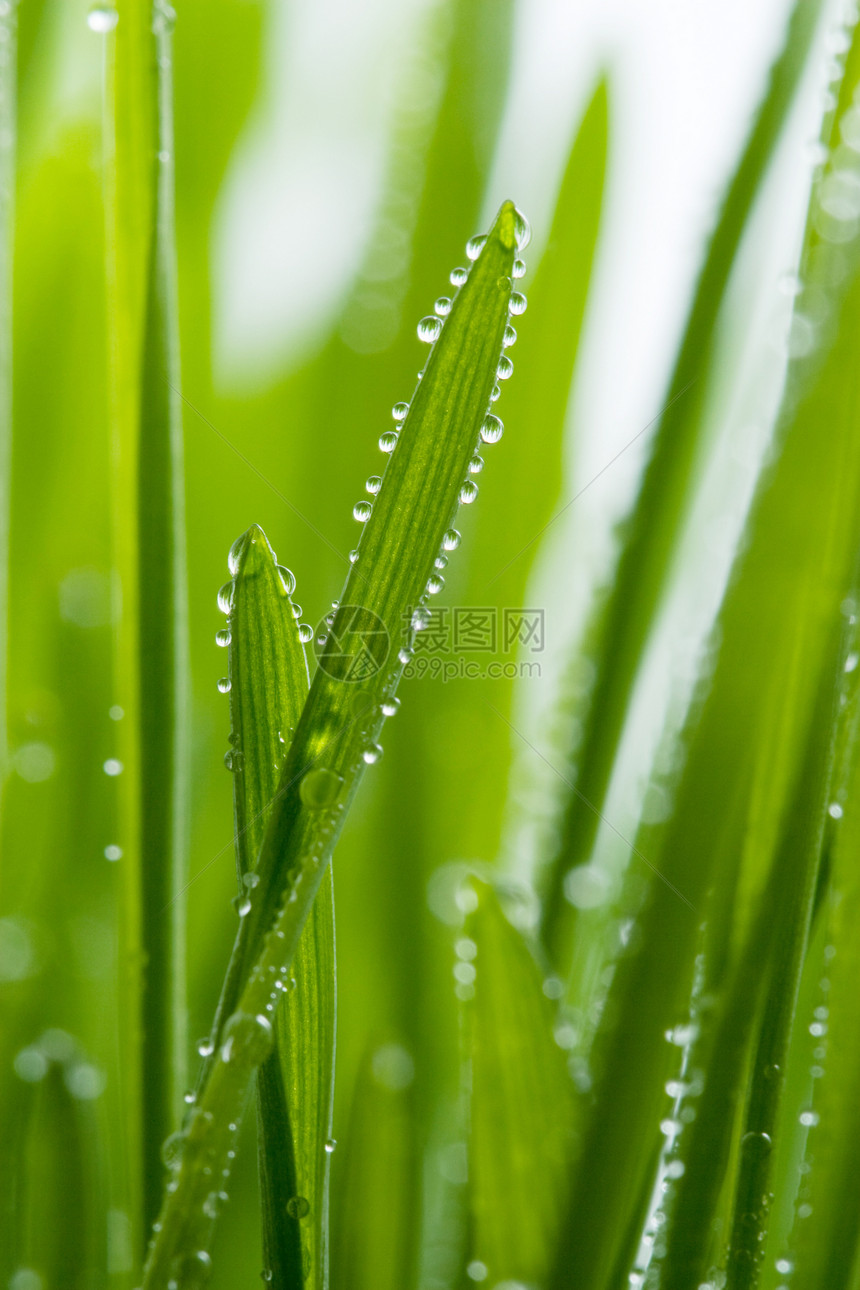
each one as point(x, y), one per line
point(521, 1102)
point(352, 691)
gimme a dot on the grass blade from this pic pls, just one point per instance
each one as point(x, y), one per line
point(352, 692)
point(651, 534)
point(268, 687)
point(8, 30)
point(150, 554)
point(521, 1101)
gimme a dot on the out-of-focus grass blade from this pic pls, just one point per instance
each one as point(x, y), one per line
point(775, 627)
point(521, 1100)
point(150, 555)
point(651, 533)
point(8, 30)
point(825, 1252)
point(366, 647)
point(268, 686)
point(378, 1177)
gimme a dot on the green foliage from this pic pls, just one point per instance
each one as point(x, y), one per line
point(526, 1123)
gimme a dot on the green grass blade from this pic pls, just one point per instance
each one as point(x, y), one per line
point(521, 1101)
point(652, 530)
point(268, 687)
point(352, 692)
point(8, 113)
point(378, 1173)
point(775, 627)
point(150, 554)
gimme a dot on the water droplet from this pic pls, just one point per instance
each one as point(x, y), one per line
point(30, 1065)
point(505, 370)
point(242, 905)
point(362, 512)
point(251, 880)
point(353, 555)
point(115, 712)
point(468, 492)
point(267, 1275)
point(113, 852)
point(248, 1038)
point(443, 306)
point(784, 1267)
point(492, 429)
point(757, 1144)
point(205, 1047)
point(390, 706)
point(172, 1149)
point(297, 609)
point(190, 1097)
point(223, 638)
point(476, 464)
point(441, 562)
point(224, 685)
point(320, 788)
point(504, 284)
point(399, 411)
point(522, 230)
point(288, 578)
point(388, 441)
point(675, 1169)
point(330, 1145)
point(451, 540)
point(233, 555)
point(475, 246)
point(212, 1204)
point(519, 268)
point(458, 277)
point(420, 618)
point(809, 1118)
point(834, 810)
point(429, 329)
point(306, 633)
point(373, 484)
point(851, 662)
point(517, 303)
point(298, 1207)
point(495, 392)
point(233, 759)
point(225, 597)
point(191, 1270)
point(435, 583)
point(112, 767)
point(102, 18)
point(372, 754)
point(509, 338)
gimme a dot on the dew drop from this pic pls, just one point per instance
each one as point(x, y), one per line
point(834, 810)
point(476, 464)
point(399, 411)
point(172, 1150)
point(298, 1207)
point(522, 230)
point(519, 268)
point(518, 303)
point(756, 1144)
point(420, 618)
point(441, 562)
point(223, 685)
point(225, 597)
point(330, 1146)
point(468, 492)
point(435, 583)
point(297, 609)
point(429, 329)
point(191, 1270)
point(233, 759)
point(234, 554)
point(458, 277)
point(320, 788)
point(113, 852)
point(475, 246)
point(373, 484)
point(492, 429)
point(247, 1037)
point(372, 754)
point(390, 706)
point(443, 306)
point(102, 18)
point(242, 905)
point(509, 338)
point(451, 540)
point(306, 633)
point(223, 638)
point(112, 767)
point(809, 1118)
point(251, 880)
point(205, 1047)
point(362, 511)
point(495, 393)
point(288, 578)
point(388, 441)
point(353, 556)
